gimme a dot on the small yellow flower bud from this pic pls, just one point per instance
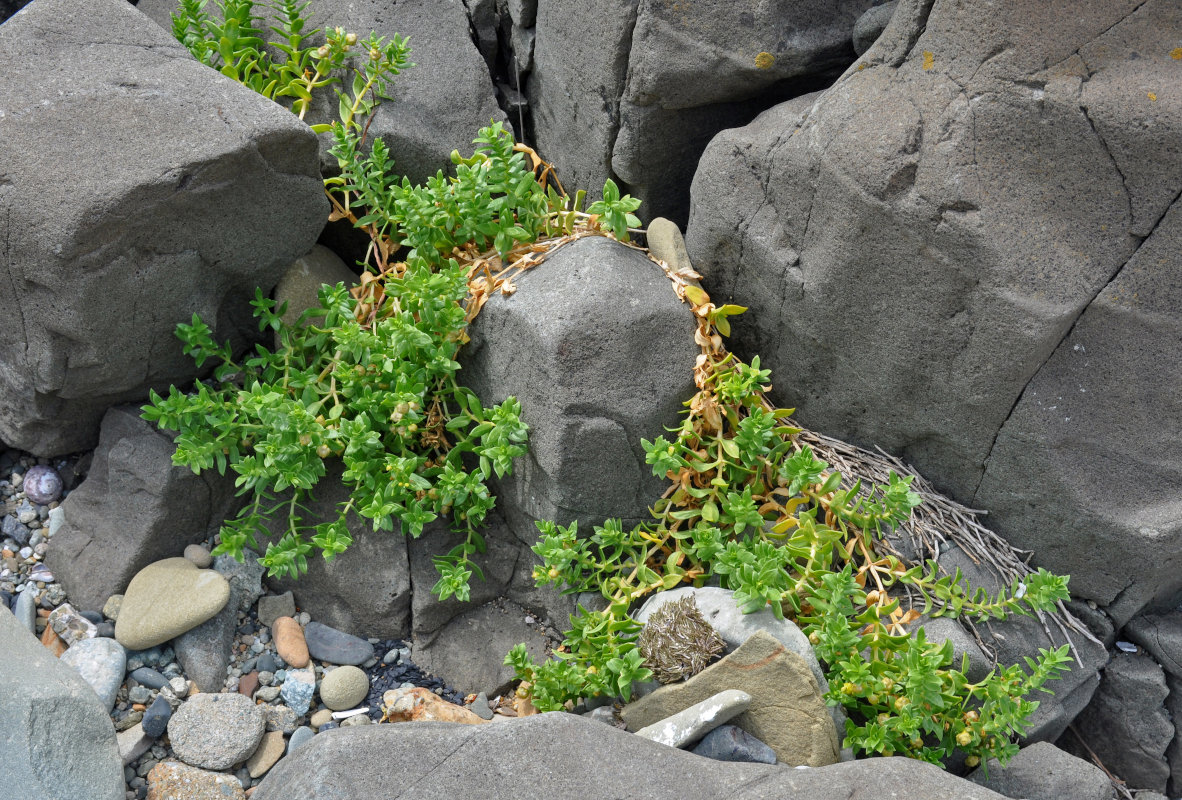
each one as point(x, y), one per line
point(350, 39)
point(972, 761)
point(964, 738)
point(323, 51)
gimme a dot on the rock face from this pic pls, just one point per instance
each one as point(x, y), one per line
point(787, 711)
point(57, 739)
point(1044, 772)
point(902, 242)
point(447, 761)
point(134, 508)
point(636, 90)
point(212, 191)
point(1126, 725)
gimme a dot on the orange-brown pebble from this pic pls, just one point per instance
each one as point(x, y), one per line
point(43, 612)
point(423, 705)
point(289, 642)
point(53, 642)
point(6, 553)
point(248, 683)
point(138, 707)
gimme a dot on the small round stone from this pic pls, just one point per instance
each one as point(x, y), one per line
point(344, 688)
point(198, 555)
point(216, 731)
point(42, 485)
point(321, 718)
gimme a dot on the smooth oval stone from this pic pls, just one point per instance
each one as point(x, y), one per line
point(198, 555)
point(336, 647)
point(166, 599)
point(155, 719)
point(105, 629)
point(344, 687)
point(42, 485)
point(732, 743)
point(290, 642)
point(299, 736)
point(149, 677)
point(269, 751)
point(101, 663)
point(266, 663)
point(297, 690)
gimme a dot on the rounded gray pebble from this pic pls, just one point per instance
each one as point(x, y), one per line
point(216, 731)
point(198, 555)
point(299, 736)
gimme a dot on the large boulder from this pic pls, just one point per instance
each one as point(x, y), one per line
point(133, 509)
point(969, 245)
point(436, 106)
point(635, 91)
point(563, 755)
point(57, 740)
point(139, 188)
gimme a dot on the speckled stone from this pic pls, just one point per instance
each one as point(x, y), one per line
point(216, 731)
point(297, 690)
point(101, 663)
point(171, 780)
point(42, 485)
point(344, 687)
point(70, 625)
point(688, 726)
point(167, 598)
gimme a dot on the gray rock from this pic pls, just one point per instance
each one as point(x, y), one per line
point(365, 590)
point(871, 25)
point(204, 652)
point(299, 736)
point(280, 718)
point(470, 650)
point(479, 706)
point(25, 609)
point(149, 677)
point(336, 647)
point(266, 663)
point(11, 527)
point(1125, 725)
point(297, 690)
point(1174, 750)
point(1161, 636)
point(1036, 370)
point(101, 663)
point(133, 509)
point(300, 285)
point(246, 576)
point(156, 717)
point(188, 216)
point(133, 743)
point(216, 731)
point(551, 750)
point(689, 725)
point(57, 739)
point(70, 624)
point(1044, 772)
point(585, 462)
point(732, 743)
point(274, 606)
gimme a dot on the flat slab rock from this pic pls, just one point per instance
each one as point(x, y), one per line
point(549, 754)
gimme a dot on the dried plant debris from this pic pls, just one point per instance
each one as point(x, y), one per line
point(677, 642)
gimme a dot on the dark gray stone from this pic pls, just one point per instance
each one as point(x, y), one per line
point(336, 647)
point(12, 527)
point(439, 104)
point(204, 652)
point(443, 761)
point(272, 607)
point(1011, 330)
point(871, 25)
point(365, 590)
point(732, 743)
point(470, 650)
point(585, 461)
point(1161, 635)
point(1044, 772)
point(1125, 725)
point(156, 717)
point(215, 194)
point(133, 509)
point(57, 739)
point(149, 677)
point(1174, 750)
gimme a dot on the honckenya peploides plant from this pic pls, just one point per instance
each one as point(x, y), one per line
point(370, 378)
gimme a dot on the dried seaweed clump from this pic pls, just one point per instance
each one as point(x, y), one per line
point(677, 642)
